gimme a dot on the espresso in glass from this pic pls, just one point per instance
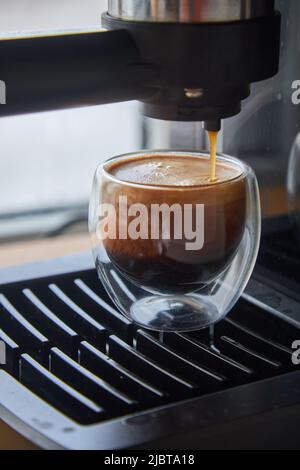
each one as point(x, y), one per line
point(162, 255)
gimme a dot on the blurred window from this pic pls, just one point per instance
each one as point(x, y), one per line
point(47, 160)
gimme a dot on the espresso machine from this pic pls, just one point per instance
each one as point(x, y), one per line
point(186, 61)
point(77, 374)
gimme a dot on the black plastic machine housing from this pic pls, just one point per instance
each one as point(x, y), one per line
point(204, 70)
point(180, 71)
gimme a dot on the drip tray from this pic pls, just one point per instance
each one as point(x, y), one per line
point(79, 375)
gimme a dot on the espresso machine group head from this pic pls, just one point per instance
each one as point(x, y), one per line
point(185, 60)
point(206, 53)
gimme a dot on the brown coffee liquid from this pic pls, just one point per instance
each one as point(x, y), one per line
point(180, 171)
point(213, 140)
point(164, 179)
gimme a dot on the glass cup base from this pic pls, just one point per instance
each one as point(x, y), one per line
point(174, 313)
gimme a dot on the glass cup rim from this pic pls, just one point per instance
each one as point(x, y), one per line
point(245, 169)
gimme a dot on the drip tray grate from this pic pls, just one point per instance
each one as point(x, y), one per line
point(67, 344)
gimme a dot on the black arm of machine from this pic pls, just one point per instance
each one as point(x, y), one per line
point(185, 60)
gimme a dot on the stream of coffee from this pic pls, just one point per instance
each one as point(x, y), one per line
point(213, 139)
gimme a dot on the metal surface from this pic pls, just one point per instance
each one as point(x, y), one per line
point(189, 11)
point(51, 430)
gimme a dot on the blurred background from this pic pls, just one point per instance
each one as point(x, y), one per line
point(48, 160)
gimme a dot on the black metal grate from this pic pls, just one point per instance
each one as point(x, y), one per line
point(68, 345)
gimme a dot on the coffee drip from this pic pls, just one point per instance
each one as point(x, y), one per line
point(213, 140)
